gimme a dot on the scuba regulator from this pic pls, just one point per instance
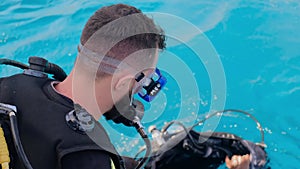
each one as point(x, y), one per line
point(129, 111)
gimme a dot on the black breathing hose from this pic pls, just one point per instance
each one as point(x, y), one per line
point(58, 72)
point(140, 129)
point(17, 141)
point(50, 68)
point(145, 160)
point(13, 63)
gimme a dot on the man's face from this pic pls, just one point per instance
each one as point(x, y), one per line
point(122, 85)
point(126, 109)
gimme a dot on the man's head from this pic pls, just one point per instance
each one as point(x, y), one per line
point(124, 42)
point(118, 31)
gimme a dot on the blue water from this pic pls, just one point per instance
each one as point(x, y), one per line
point(257, 43)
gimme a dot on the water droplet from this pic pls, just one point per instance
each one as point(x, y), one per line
point(283, 133)
point(69, 54)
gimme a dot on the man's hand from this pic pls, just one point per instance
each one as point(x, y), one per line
point(238, 162)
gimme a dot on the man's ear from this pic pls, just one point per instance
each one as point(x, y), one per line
point(123, 82)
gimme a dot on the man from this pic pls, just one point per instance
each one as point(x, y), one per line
point(127, 36)
point(120, 84)
point(118, 44)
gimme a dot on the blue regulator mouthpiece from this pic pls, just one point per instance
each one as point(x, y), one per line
point(150, 86)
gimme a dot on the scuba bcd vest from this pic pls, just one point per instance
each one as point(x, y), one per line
point(45, 127)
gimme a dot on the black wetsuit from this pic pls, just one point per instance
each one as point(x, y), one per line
point(47, 139)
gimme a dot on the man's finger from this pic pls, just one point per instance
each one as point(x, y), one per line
point(238, 162)
point(228, 162)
